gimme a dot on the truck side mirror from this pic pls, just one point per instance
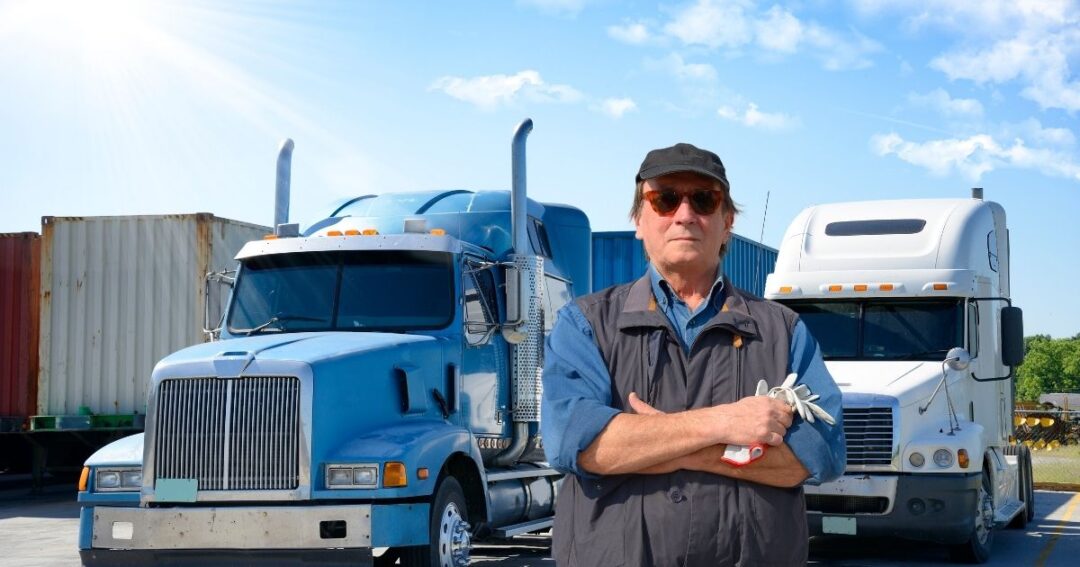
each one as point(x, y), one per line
point(1012, 335)
point(224, 278)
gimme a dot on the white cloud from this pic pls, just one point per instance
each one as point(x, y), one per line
point(735, 24)
point(941, 101)
point(713, 23)
point(976, 155)
point(752, 117)
point(779, 31)
point(493, 90)
point(1032, 129)
point(616, 107)
point(634, 33)
point(999, 41)
point(679, 68)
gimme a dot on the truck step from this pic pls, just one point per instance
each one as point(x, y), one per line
point(520, 473)
point(1007, 512)
point(523, 528)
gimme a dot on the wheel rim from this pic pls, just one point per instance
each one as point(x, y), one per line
point(454, 540)
point(984, 514)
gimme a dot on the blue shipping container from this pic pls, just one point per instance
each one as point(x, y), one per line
point(618, 257)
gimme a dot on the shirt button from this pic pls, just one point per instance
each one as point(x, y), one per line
point(676, 495)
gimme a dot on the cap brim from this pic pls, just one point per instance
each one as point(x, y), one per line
point(659, 170)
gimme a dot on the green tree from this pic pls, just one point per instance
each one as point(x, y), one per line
point(1051, 365)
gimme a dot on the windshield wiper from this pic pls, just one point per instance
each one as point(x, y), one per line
point(280, 317)
point(941, 352)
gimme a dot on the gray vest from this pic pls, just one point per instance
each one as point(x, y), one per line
point(685, 518)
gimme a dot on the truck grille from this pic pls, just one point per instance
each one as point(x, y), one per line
point(229, 434)
point(869, 433)
point(838, 504)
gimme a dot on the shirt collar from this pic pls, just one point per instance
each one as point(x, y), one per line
point(665, 296)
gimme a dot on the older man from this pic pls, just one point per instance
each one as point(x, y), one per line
point(649, 385)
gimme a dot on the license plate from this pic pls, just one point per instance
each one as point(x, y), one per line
point(838, 525)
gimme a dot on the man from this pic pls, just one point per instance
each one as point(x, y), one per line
point(646, 384)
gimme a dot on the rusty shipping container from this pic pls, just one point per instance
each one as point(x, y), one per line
point(120, 293)
point(20, 256)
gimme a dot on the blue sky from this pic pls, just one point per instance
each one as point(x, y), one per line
point(120, 107)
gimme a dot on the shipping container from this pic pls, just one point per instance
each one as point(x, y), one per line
point(118, 294)
point(618, 257)
point(20, 256)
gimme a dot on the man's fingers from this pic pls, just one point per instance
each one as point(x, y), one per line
point(640, 407)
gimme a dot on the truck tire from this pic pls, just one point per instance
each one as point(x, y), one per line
point(977, 548)
point(449, 538)
point(1029, 494)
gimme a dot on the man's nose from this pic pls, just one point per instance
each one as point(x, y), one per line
point(684, 212)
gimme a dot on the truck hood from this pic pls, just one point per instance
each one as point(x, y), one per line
point(310, 348)
point(908, 381)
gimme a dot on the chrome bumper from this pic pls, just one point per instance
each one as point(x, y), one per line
point(279, 527)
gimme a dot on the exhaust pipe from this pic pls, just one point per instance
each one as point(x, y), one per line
point(518, 198)
point(284, 175)
point(523, 328)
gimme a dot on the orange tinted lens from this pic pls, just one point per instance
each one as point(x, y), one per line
point(664, 202)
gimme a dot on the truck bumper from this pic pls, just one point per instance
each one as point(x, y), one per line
point(247, 535)
point(936, 508)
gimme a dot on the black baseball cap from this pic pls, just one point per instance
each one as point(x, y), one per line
point(683, 157)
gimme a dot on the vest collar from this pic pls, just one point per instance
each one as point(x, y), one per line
point(641, 310)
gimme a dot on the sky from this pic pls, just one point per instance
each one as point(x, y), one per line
point(122, 107)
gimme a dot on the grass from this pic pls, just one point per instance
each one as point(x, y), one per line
point(1060, 467)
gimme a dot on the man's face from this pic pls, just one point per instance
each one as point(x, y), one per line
point(684, 241)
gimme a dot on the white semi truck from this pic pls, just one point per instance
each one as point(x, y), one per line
point(910, 302)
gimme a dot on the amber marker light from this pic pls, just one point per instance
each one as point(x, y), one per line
point(394, 475)
point(370, 232)
point(861, 287)
point(886, 287)
point(83, 478)
point(962, 458)
point(785, 289)
point(941, 287)
point(352, 232)
point(836, 287)
point(438, 232)
point(422, 473)
point(333, 233)
point(269, 237)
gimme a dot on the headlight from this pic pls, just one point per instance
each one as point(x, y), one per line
point(943, 458)
point(917, 460)
point(117, 479)
point(352, 476)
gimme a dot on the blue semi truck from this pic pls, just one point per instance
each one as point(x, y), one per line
point(374, 396)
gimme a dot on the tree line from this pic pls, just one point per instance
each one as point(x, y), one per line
point(1050, 365)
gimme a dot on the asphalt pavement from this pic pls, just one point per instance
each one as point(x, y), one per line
point(41, 531)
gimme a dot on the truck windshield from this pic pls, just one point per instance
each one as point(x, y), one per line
point(343, 291)
point(887, 329)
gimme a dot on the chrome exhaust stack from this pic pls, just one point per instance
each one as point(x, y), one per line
point(282, 190)
point(524, 327)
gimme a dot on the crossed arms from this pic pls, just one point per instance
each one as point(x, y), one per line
point(652, 442)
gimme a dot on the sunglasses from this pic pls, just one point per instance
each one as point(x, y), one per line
point(666, 201)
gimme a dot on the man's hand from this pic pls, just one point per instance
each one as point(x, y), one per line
point(755, 419)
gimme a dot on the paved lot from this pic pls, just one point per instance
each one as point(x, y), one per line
point(41, 532)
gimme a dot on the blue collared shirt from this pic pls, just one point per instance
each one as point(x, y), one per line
point(577, 403)
point(687, 323)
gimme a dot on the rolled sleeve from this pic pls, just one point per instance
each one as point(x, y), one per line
point(820, 447)
point(577, 391)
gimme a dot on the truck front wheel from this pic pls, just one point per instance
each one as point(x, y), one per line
point(449, 537)
point(977, 549)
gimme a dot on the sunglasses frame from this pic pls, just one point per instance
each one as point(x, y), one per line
point(654, 198)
